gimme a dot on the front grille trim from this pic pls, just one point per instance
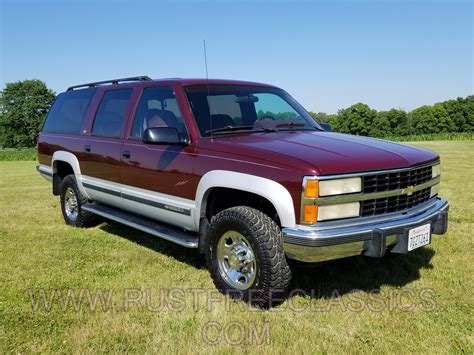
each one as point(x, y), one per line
point(359, 197)
point(376, 172)
point(384, 192)
point(389, 181)
point(395, 180)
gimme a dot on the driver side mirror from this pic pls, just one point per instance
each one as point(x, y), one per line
point(326, 126)
point(162, 135)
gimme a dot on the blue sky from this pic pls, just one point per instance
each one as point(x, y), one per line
point(328, 55)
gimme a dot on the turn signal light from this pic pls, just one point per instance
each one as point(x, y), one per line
point(310, 213)
point(312, 189)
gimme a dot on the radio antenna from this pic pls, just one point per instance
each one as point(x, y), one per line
point(205, 58)
point(207, 82)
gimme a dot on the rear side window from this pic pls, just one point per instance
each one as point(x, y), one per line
point(68, 112)
point(110, 116)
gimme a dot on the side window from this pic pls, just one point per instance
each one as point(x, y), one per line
point(110, 116)
point(68, 111)
point(158, 107)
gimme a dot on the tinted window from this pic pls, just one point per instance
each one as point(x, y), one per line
point(223, 108)
point(68, 111)
point(110, 116)
point(158, 107)
point(255, 108)
point(269, 106)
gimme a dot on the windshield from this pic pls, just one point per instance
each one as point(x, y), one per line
point(226, 109)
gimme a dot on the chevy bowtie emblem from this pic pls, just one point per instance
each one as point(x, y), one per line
point(409, 190)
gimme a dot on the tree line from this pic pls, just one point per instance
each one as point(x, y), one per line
point(451, 116)
point(24, 105)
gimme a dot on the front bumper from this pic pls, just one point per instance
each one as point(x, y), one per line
point(365, 236)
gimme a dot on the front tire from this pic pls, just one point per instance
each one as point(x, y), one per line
point(71, 205)
point(245, 256)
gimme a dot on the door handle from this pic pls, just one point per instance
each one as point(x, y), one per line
point(87, 148)
point(126, 154)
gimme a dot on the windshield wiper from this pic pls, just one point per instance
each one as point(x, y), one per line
point(289, 125)
point(230, 128)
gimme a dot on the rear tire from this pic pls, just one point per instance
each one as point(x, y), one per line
point(71, 205)
point(245, 256)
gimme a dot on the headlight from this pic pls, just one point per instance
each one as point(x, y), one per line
point(342, 210)
point(314, 188)
point(435, 171)
point(340, 186)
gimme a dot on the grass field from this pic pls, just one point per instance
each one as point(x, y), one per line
point(162, 298)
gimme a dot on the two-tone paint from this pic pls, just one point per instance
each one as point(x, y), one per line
point(171, 183)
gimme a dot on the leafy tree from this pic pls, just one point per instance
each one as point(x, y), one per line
point(333, 120)
point(432, 119)
point(469, 105)
point(323, 117)
point(462, 113)
point(23, 107)
point(392, 122)
point(356, 119)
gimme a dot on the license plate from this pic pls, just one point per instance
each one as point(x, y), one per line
point(419, 236)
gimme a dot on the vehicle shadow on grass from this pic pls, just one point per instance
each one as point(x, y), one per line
point(177, 252)
point(340, 277)
point(323, 280)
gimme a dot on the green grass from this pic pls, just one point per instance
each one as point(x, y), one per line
point(432, 137)
point(38, 251)
point(17, 154)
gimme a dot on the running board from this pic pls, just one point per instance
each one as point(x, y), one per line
point(144, 224)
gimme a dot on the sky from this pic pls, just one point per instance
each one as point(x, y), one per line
point(327, 54)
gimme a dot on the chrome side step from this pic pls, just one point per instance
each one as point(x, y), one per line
point(146, 225)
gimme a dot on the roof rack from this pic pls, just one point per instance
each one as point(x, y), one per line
point(113, 81)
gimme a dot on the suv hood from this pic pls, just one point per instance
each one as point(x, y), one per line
point(327, 152)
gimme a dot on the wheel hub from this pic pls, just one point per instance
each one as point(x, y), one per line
point(236, 260)
point(70, 204)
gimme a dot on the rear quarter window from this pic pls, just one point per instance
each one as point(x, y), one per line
point(68, 111)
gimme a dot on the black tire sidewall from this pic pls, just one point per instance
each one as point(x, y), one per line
point(273, 274)
point(70, 182)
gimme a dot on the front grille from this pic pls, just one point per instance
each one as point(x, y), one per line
point(393, 203)
point(396, 180)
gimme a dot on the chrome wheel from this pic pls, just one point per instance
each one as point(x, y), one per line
point(70, 204)
point(236, 260)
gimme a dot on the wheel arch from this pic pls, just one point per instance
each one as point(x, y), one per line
point(270, 190)
point(63, 157)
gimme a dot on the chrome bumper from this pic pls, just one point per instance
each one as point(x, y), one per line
point(45, 171)
point(371, 236)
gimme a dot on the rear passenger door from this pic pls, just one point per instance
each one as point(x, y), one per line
point(102, 151)
point(158, 180)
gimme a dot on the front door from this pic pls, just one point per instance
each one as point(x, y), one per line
point(158, 180)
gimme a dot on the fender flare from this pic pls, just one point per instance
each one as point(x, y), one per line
point(72, 160)
point(274, 192)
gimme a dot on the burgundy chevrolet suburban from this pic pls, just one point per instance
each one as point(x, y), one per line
point(238, 170)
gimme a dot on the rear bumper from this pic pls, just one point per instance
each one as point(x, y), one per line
point(369, 236)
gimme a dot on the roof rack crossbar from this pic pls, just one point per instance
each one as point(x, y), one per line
point(113, 81)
